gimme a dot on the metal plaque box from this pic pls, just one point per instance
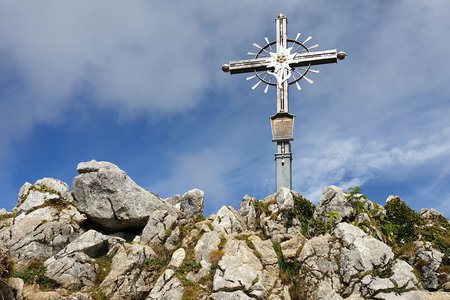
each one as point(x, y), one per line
point(282, 127)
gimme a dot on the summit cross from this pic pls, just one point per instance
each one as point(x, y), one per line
point(287, 65)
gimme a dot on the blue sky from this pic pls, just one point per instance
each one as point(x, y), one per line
point(138, 83)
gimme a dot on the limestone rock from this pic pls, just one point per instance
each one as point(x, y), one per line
point(167, 287)
point(158, 226)
point(131, 276)
point(191, 203)
point(75, 266)
point(290, 247)
point(347, 255)
point(428, 213)
point(239, 269)
point(46, 190)
point(208, 243)
point(11, 288)
point(73, 271)
point(285, 200)
point(248, 212)
point(228, 221)
point(111, 199)
point(333, 199)
point(427, 260)
point(177, 258)
point(41, 233)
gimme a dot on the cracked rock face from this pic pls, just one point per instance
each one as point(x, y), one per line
point(427, 260)
point(191, 203)
point(129, 277)
point(228, 221)
point(74, 267)
point(46, 222)
point(111, 199)
point(333, 199)
point(346, 256)
point(167, 287)
point(239, 269)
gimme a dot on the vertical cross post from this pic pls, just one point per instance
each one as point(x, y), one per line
point(287, 66)
point(283, 155)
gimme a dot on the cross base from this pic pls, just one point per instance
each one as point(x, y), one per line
point(283, 165)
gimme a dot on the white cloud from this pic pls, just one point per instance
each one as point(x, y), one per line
point(353, 162)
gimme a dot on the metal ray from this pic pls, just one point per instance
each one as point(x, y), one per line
point(256, 85)
point(309, 80)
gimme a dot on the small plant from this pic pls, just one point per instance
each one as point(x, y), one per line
point(103, 267)
point(303, 211)
point(34, 273)
point(214, 257)
point(7, 216)
point(97, 294)
point(355, 192)
point(6, 265)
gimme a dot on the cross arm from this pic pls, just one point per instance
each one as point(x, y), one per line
point(246, 65)
point(300, 60)
point(317, 58)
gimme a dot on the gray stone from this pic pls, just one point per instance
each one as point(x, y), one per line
point(167, 287)
point(41, 233)
point(228, 221)
point(73, 271)
point(91, 243)
point(333, 199)
point(74, 267)
point(248, 212)
point(177, 258)
point(427, 260)
point(339, 260)
point(208, 243)
point(428, 213)
point(265, 250)
point(191, 203)
point(285, 200)
point(130, 278)
point(290, 247)
point(240, 269)
point(158, 227)
point(42, 192)
point(111, 199)
point(231, 295)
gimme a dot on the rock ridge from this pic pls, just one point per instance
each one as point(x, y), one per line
point(109, 238)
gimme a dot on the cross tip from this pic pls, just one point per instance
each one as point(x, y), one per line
point(226, 68)
point(341, 55)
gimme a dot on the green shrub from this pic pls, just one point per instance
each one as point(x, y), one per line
point(399, 224)
point(303, 211)
point(34, 272)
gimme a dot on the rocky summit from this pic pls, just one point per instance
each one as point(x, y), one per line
point(109, 238)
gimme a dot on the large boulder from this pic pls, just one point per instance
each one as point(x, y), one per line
point(130, 276)
point(333, 200)
point(43, 223)
point(239, 269)
point(353, 262)
point(111, 199)
point(191, 203)
point(75, 266)
point(228, 221)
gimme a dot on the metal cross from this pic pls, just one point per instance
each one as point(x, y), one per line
point(281, 68)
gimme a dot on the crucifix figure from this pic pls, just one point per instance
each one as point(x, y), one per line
point(279, 64)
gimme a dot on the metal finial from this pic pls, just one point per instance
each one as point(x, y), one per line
point(226, 68)
point(281, 16)
point(341, 55)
